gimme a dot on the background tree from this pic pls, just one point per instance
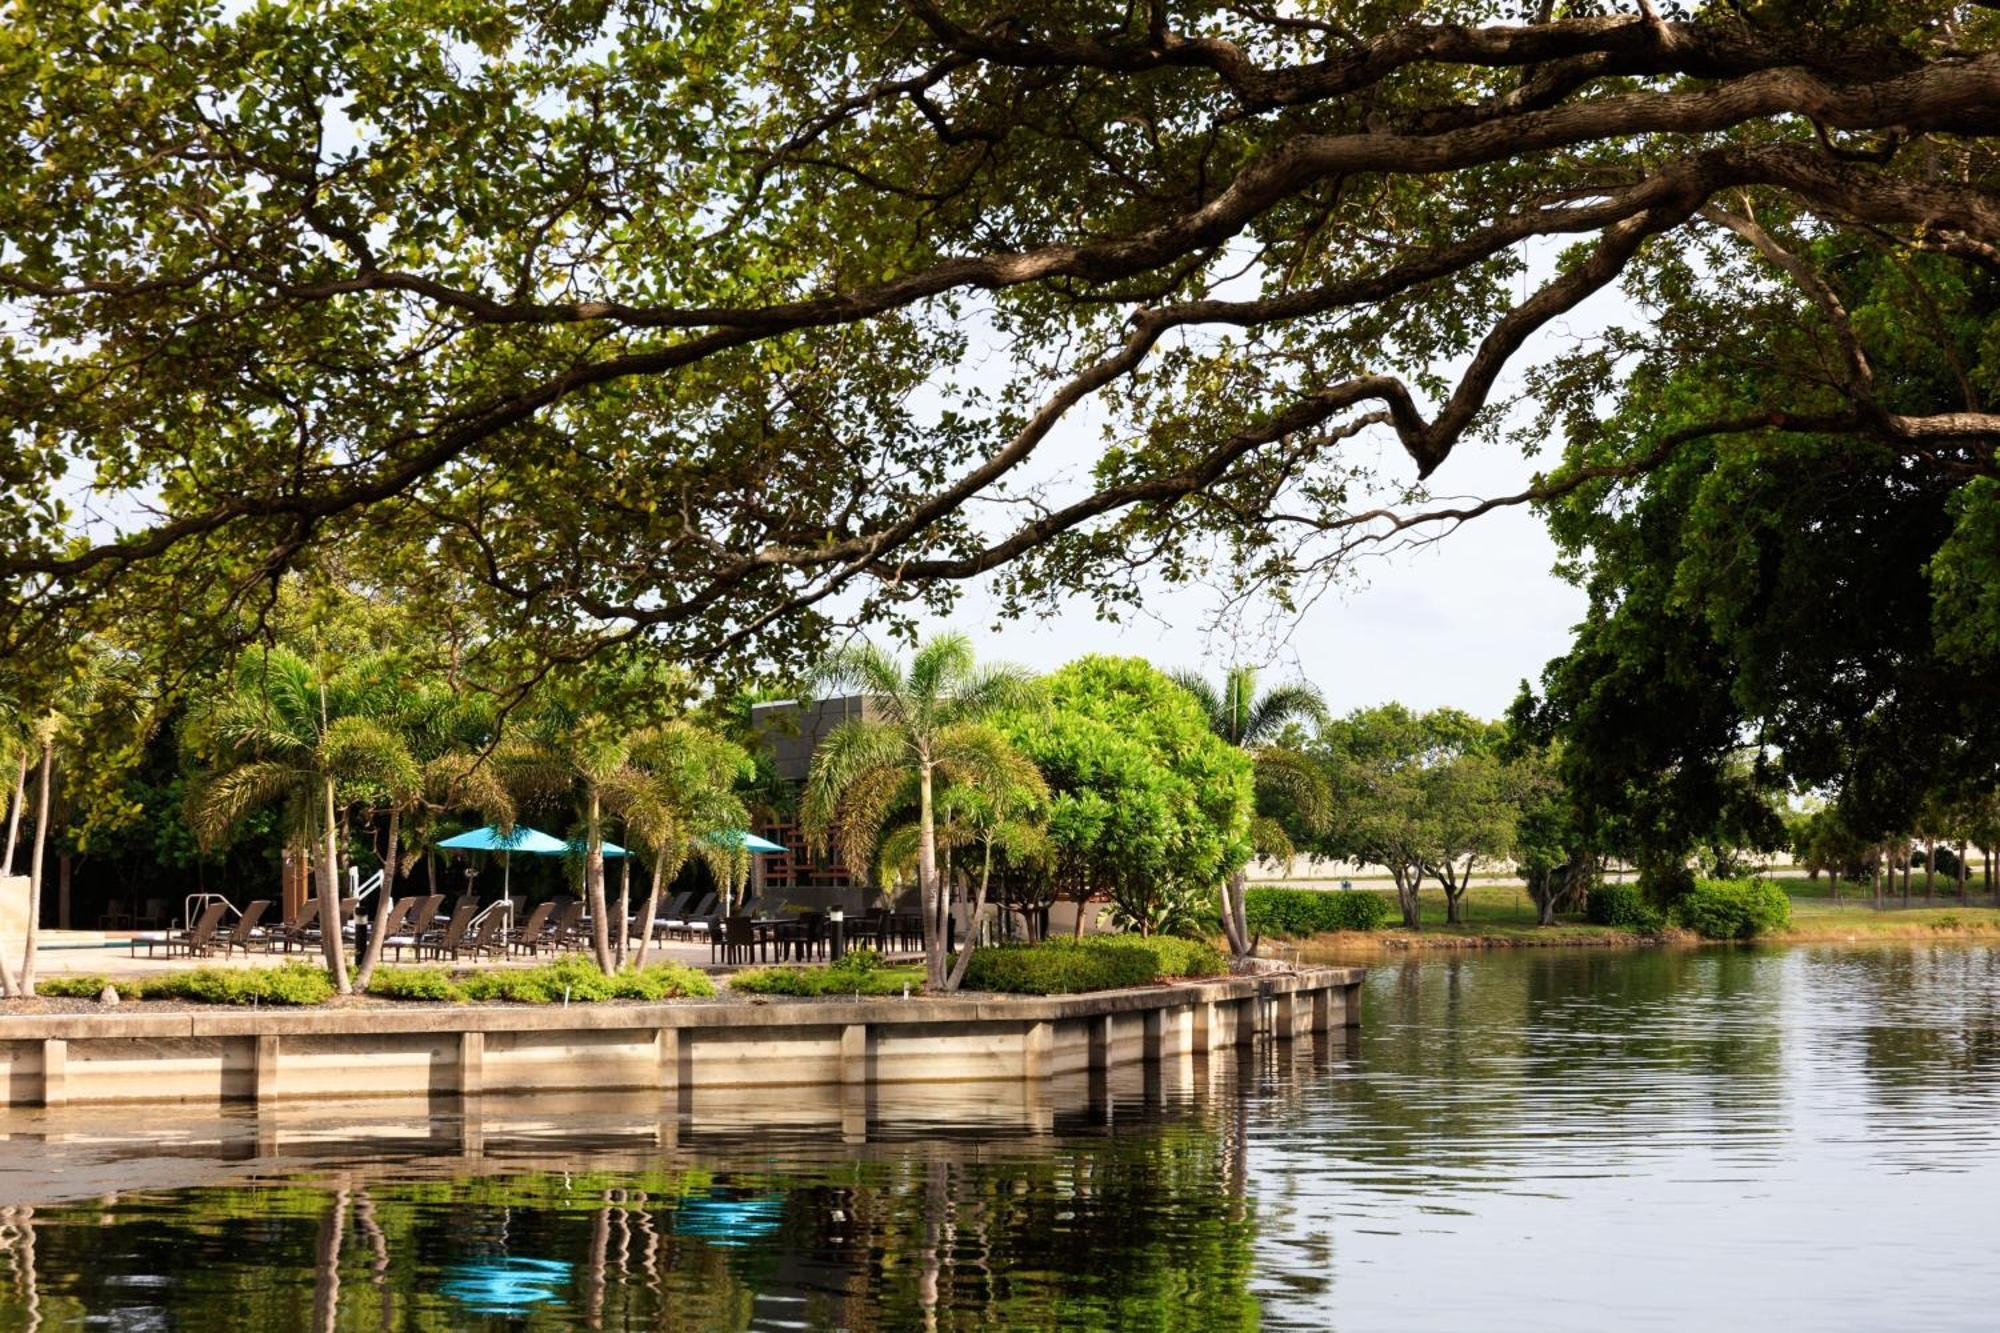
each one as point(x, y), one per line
point(577, 745)
point(1148, 806)
point(928, 722)
point(1288, 783)
point(679, 801)
point(1237, 236)
point(287, 733)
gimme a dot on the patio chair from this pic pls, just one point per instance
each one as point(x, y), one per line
point(195, 942)
point(419, 922)
point(735, 938)
point(248, 928)
point(533, 935)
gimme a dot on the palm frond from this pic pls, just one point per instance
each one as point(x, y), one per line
point(1204, 694)
point(993, 688)
point(850, 751)
point(217, 802)
point(940, 667)
point(1268, 836)
point(1297, 702)
point(1299, 780)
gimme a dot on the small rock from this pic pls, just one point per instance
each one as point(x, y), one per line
point(109, 995)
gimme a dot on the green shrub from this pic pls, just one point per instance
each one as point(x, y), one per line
point(859, 973)
point(85, 987)
point(1099, 962)
point(294, 983)
point(580, 979)
point(1733, 909)
point(412, 983)
point(1297, 913)
point(1623, 907)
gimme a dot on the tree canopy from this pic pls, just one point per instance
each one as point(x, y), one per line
point(727, 322)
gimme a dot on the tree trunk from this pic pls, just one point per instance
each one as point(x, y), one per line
point(964, 959)
point(26, 982)
point(1961, 870)
point(65, 864)
point(1232, 889)
point(1406, 898)
point(1906, 876)
point(652, 907)
point(383, 895)
point(1875, 879)
point(593, 882)
point(1930, 870)
point(332, 936)
point(14, 812)
point(927, 876)
point(624, 905)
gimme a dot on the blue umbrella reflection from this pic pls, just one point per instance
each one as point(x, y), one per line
point(724, 1221)
point(506, 1286)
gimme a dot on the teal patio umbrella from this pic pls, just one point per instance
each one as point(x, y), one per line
point(523, 839)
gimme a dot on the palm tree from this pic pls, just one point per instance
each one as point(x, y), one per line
point(678, 798)
point(926, 723)
point(288, 734)
point(578, 745)
point(443, 733)
point(1255, 724)
point(992, 810)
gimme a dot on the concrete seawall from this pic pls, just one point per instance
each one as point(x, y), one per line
point(266, 1055)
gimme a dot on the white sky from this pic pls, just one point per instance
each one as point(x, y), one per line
point(1460, 622)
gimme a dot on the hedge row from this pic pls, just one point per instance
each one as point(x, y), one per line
point(1096, 962)
point(291, 983)
point(859, 973)
point(1296, 913)
point(575, 979)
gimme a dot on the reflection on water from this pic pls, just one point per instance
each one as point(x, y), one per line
point(1527, 1139)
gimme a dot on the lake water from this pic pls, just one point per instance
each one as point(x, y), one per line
point(1806, 1138)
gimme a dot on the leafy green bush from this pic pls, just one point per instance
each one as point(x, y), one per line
point(859, 973)
point(81, 987)
point(580, 979)
point(1623, 907)
point(1733, 909)
point(1099, 962)
point(1296, 913)
point(289, 983)
point(412, 983)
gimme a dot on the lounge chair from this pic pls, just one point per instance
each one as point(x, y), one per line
point(567, 932)
point(533, 936)
point(196, 941)
point(671, 910)
point(419, 922)
point(486, 937)
point(294, 932)
point(248, 929)
point(399, 912)
point(453, 934)
point(701, 918)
